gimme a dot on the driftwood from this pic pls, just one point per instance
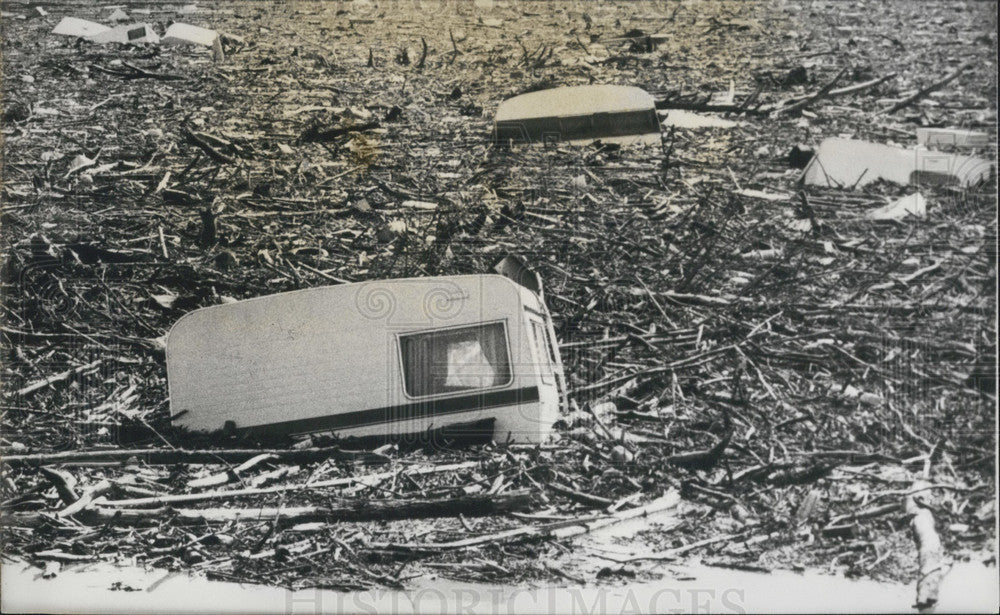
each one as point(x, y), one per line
point(582, 498)
point(822, 93)
point(930, 552)
point(906, 102)
point(672, 554)
point(230, 475)
point(64, 483)
point(557, 530)
point(314, 134)
point(343, 510)
point(170, 456)
point(86, 499)
point(335, 482)
point(702, 460)
point(210, 150)
point(41, 384)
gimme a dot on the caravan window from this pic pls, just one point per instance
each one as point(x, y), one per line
point(455, 360)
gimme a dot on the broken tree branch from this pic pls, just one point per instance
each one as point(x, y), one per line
point(31, 388)
point(819, 95)
point(343, 510)
point(557, 530)
point(207, 147)
point(369, 479)
point(170, 456)
point(906, 102)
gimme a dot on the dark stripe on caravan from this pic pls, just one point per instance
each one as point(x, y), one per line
point(391, 414)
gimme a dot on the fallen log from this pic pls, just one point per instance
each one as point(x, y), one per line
point(208, 148)
point(556, 530)
point(339, 510)
point(64, 483)
point(672, 554)
point(930, 553)
point(838, 92)
point(702, 460)
point(235, 493)
point(162, 456)
point(314, 134)
point(819, 95)
point(578, 496)
point(86, 499)
point(906, 102)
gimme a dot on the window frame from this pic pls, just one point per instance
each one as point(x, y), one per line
point(402, 360)
point(543, 354)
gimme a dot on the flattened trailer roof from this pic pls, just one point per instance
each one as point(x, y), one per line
point(579, 115)
point(575, 100)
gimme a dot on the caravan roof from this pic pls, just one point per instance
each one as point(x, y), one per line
point(579, 114)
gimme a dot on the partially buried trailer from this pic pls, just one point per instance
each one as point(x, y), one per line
point(579, 115)
point(373, 359)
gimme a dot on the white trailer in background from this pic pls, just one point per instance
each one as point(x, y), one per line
point(579, 115)
point(381, 359)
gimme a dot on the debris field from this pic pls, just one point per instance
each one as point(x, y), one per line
point(789, 374)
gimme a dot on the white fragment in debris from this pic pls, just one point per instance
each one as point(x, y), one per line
point(579, 182)
point(852, 393)
point(870, 399)
point(689, 119)
point(284, 149)
point(80, 162)
point(181, 33)
point(850, 163)
point(762, 194)
point(419, 205)
point(912, 205)
point(762, 254)
point(951, 136)
point(72, 26)
point(360, 113)
point(132, 34)
point(804, 225)
point(118, 15)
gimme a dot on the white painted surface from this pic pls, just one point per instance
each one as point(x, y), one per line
point(911, 205)
point(952, 136)
point(73, 26)
point(689, 119)
point(179, 33)
point(335, 349)
point(848, 162)
point(126, 34)
point(574, 101)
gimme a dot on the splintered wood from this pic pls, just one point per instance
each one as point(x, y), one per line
point(767, 361)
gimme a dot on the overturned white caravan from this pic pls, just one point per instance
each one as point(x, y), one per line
point(371, 359)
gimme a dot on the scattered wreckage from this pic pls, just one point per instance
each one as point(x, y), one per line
point(850, 163)
point(138, 33)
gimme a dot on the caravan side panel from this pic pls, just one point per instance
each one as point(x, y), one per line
point(329, 359)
